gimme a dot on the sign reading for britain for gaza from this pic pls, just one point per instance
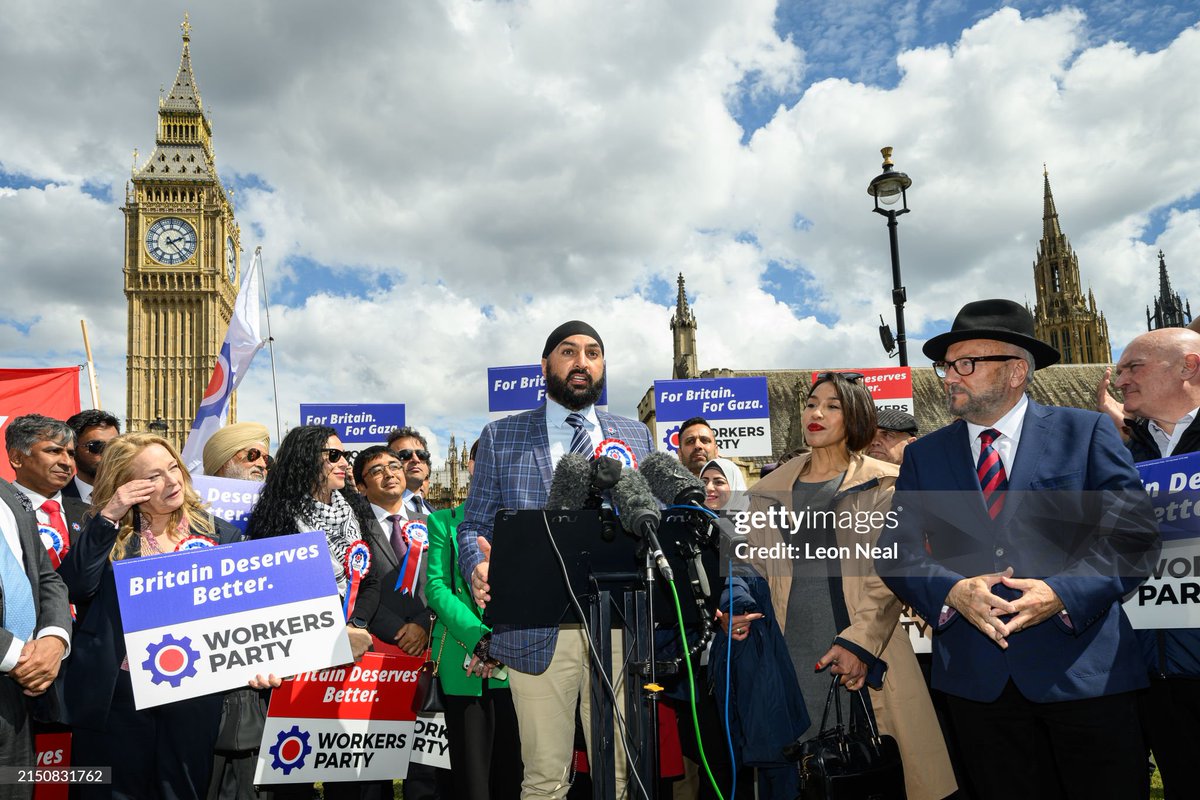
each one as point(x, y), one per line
point(890, 387)
point(736, 408)
point(355, 423)
point(230, 499)
point(1170, 597)
point(354, 722)
point(512, 390)
point(208, 619)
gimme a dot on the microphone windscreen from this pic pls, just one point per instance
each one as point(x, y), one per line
point(605, 472)
point(634, 501)
point(668, 479)
point(569, 488)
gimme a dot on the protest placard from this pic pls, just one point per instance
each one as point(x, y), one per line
point(228, 498)
point(355, 423)
point(208, 619)
point(512, 390)
point(736, 408)
point(350, 723)
point(1170, 597)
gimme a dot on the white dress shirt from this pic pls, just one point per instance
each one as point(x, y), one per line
point(1167, 442)
point(8, 524)
point(560, 433)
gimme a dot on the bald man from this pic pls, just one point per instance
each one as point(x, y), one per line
point(1159, 376)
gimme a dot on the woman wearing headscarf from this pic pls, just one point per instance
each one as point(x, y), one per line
point(833, 608)
point(143, 504)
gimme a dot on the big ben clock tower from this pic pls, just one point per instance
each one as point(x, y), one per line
point(181, 264)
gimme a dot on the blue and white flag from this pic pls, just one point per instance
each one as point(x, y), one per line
point(243, 340)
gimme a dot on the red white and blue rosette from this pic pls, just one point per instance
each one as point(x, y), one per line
point(358, 563)
point(617, 449)
point(416, 536)
point(197, 541)
point(56, 546)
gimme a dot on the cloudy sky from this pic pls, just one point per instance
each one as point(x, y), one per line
point(436, 185)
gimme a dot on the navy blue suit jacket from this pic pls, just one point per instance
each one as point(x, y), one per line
point(513, 470)
point(1075, 516)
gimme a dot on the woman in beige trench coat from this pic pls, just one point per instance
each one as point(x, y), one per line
point(873, 651)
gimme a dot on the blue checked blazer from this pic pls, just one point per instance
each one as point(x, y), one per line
point(513, 470)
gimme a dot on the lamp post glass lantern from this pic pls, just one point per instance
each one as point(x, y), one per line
point(887, 188)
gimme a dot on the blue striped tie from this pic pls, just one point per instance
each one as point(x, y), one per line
point(19, 613)
point(581, 442)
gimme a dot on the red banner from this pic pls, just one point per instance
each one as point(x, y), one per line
point(53, 392)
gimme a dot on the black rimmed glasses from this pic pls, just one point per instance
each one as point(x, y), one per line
point(336, 455)
point(95, 447)
point(254, 454)
point(966, 365)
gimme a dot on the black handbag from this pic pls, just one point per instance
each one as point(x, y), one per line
point(428, 697)
point(848, 763)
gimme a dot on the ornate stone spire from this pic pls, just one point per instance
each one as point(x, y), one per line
point(1169, 309)
point(1051, 232)
point(184, 96)
point(683, 328)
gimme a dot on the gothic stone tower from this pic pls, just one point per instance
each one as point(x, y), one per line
point(1169, 308)
point(181, 263)
point(1062, 317)
point(683, 330)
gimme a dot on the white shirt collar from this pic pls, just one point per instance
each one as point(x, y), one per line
point(1009, 425)
point(36, 498)
point(1167, 441)
point(382, 513)
point(556, 414)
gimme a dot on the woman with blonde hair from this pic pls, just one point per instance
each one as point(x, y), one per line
point(143, 504)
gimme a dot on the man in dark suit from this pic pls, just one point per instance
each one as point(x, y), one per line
point(93, 430)
point(514, 465)
point(41, 451)
point(34, 637)
point(1159, 376)
point(1018, 529)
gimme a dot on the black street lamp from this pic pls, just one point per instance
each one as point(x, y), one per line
point(159, 427)
point(888, 187)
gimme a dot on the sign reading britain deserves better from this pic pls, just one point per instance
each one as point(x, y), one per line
point(736, 408)
point(208, 619)
point(350, 723)
point(230, 499)
point(355, 423)
point(512, 390)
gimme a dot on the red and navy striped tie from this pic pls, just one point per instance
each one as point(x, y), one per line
point(992, 479)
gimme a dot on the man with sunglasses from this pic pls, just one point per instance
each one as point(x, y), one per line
point(1019, 528)
point(238, 451)
point(93, 430)
point(413, 451)
point(549, 672)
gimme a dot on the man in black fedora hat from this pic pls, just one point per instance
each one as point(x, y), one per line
point(1020, 528)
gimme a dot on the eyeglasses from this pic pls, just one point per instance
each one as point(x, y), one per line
point(95, 447)
point(966, 365)
point(379, 470)
point(254, 454)
point(336, 455)
point(826, 376)
point(406, 454)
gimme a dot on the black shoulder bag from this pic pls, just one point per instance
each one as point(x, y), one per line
point(848, 763)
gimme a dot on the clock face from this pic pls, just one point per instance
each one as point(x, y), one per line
point(171, 240)
point(230, 259)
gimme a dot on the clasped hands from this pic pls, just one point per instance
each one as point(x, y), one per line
point(973, 598)
point(38, 664)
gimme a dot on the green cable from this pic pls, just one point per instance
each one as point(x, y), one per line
point(692, 692)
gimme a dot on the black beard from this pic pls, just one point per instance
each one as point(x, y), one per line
point(574, 399)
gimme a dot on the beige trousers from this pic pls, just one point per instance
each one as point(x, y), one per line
point(545, 706)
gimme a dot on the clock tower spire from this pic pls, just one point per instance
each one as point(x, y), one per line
point(181, 263)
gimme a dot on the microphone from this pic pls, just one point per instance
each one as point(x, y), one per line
point(570, 488)
point(604, 473)
point(640, 516)
point(670, 481)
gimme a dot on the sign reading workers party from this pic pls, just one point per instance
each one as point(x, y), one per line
point(890, 387)
point(512, 390)
point(355, 423)
point(736, 408)
point(230, 499)
point(210, 618)
point(1170, 597)
point(351, 723)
